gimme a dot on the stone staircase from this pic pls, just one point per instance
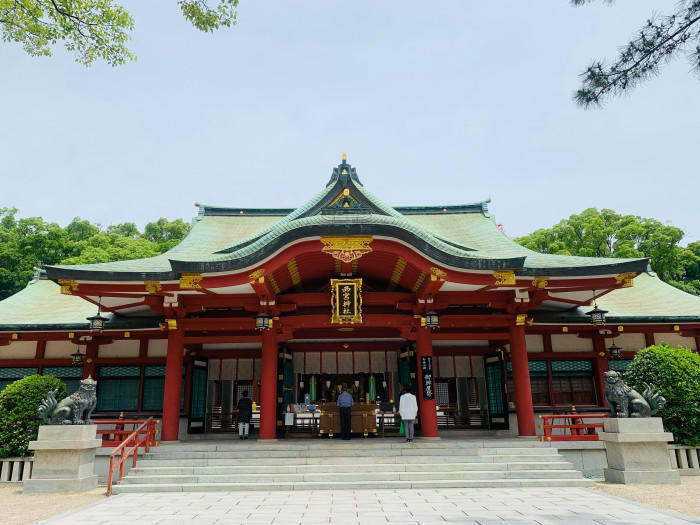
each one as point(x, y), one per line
point(358, 464)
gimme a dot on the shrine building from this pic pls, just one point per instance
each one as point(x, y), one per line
point(293, 304)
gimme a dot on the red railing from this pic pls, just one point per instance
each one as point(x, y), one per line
point(143, 436)
point(113, 437)
point(578, 429)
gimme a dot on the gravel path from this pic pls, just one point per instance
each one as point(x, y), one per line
point(23, 509)
point(684, 499)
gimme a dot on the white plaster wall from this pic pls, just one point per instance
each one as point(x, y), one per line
point(393, 364)
point(571, 343)
point(298, 361)
point(60, 349)
point(214, 365)
point(228, 369)
point(628, 342)
point(245, 369)
point(446, 366)
point(675, 340)
point(478, 367)
point(329, 363)
point(157, 347)
point(534, 343)
point(313, 362)
point(378, 362)
point(361, 362)
point(345, 361)
point(463, 366)
point(120, 348)
point(19, 350)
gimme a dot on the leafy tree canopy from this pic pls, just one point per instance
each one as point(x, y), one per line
point(605, 233)
point(660, 39)
point(93, 29)
point(675, 371)
point(31, 242)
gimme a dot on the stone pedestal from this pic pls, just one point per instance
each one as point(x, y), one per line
point(637, 450)
point(64, 459)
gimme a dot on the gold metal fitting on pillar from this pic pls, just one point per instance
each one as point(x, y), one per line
point(171, 324)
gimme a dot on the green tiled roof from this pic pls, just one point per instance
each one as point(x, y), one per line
point(229, 239)
point(42, 303)
point(41, 306)
point(649, 300)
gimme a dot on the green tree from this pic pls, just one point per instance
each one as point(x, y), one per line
point(93, 29)
point(125, 229)
point(19, 420)
point(31, 242)
point(166, 234)
point(605, 233)
point(675, 371)
point(657, 42)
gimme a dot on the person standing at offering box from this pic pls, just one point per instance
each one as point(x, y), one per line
point(345, 403)
point(408, 408)
point(245, 412)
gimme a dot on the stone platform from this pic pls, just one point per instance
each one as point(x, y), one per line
point(637, 451)
point(330, 464)
point(64, 459)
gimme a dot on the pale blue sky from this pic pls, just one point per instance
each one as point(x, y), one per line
point(443, 102)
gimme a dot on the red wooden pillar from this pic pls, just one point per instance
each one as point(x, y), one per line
point(173, 385)
point(600, 367)
point(268, 385)
point(90, 357)
point(521, 378)
point(426, 407)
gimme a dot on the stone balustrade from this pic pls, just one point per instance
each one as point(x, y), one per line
point(15, 469)
point(686, 459)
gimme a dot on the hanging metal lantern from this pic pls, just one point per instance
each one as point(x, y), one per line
point(98, 321)
point(77, 357)
point(263, 321)
point(597, 316)
point(432, 319)
point(614, 351)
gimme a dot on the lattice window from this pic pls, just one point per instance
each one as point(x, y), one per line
point(12, 374)
point(442, 393)
point(118, 388)
point(70, 375)
point(572, 382)
point(154, 388)
point(619, 365)
point(539, 382)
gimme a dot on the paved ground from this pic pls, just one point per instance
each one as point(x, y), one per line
point(568, 506)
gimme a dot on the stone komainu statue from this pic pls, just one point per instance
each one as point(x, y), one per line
point(625, 401)
point(75, 409)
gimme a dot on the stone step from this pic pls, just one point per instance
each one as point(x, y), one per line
point(157, 461)
point(145, 469)
point(362, 444)
point(351, 485)
point(332, 477)
point(349, 452)
point(359, 467)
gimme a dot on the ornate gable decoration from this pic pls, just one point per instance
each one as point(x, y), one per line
point(346, 249)
point(345, 201)
point(346, 301)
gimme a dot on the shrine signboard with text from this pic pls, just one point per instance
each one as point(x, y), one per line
point(426, 367)
point(346, 301)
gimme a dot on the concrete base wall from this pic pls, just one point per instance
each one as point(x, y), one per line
point(64, 459)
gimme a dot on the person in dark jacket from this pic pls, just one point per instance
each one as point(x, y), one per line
point(245, 412)
point(345, 403)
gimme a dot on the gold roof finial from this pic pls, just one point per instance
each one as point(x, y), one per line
point(344, 156)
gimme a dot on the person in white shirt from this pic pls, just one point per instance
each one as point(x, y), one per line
point(408, 408)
